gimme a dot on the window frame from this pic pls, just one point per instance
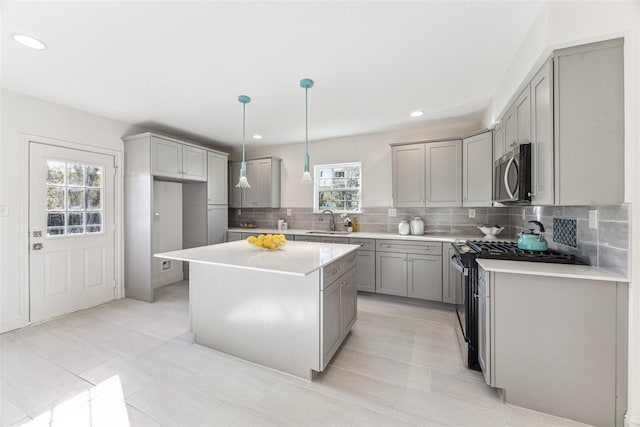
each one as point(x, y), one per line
point(316, 186)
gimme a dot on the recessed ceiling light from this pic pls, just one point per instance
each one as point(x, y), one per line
point(256, 136)
point(416, 113)
point(28, 41)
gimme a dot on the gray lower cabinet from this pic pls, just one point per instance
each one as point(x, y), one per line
point(451, 280)
point(339, 305)
point(304, 238)
point(562, 352)
point(409, 268)
point(366, 266)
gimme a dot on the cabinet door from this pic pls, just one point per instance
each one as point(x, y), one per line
point(248, 194)
point(348, 302)
point(262, 183)
point(484, 326)
point(498, 142)
point(366, 271)
point(510, 129)
point(194, 163)
point(408, 175)
point(523, 117)
point(166, 158)
point(477, 170)
point(444, 173)
point(542, 136)
point(235, 193)
point(331, 330)
point(424, 278)
point(391, 273)
point(217, 176)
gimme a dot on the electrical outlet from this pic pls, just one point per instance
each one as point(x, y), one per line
point(593, 218)
point(524, 213)
point(167, 265)
point(239, 212)
point(289, 212)
point(472, 213)
point(391, 212)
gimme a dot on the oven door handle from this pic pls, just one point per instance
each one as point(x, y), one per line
point(458, 266)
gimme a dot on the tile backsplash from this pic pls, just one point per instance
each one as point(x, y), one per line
point(606, 247)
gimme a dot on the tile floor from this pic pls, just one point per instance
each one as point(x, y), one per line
point(132, 363)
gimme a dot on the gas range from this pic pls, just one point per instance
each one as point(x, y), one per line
point(510, 251)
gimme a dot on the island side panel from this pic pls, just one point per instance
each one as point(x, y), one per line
point(268, 318)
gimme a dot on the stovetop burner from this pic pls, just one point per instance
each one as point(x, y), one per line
point(510, 251)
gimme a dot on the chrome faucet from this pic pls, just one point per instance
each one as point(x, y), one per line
point(332, 221)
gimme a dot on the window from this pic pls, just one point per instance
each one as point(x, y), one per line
point(74, 198)
point(338, 187)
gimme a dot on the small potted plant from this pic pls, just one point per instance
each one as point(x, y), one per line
point(348, 224)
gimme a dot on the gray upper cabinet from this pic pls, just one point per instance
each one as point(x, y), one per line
point(217, 178)
point(427, 174)
point(264, 177)
point(498, 142)
point(542, 136)
point(408, 163)
point(589, 124)
point(172, 159)
point(477, 170)
point(517, 122)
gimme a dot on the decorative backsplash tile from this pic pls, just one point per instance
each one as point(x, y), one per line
point(565, 231)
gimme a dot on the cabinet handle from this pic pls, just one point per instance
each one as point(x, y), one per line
point(426, 248)
point(343, 284)
point(476, 296)
point(388, 245)
point(361, 244)
point(334, 271)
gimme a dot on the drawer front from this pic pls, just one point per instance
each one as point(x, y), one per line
point(330, 273)
point(301, 238)
point(365, 244)
point(331, 239)
point(337, 268)
point(409, 246)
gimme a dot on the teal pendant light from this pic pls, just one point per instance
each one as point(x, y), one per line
point(306, 175)
point(243, 183)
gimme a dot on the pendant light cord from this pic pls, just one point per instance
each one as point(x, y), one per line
point(244, 107)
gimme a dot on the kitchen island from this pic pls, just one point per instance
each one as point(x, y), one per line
point(287, 309)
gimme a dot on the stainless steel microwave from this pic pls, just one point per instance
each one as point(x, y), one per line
point(512, 176)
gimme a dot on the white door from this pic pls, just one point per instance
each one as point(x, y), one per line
point(71, 230)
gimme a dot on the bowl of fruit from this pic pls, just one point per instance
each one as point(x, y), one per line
point(267, 241)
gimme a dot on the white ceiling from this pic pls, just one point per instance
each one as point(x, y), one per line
point(180, 66)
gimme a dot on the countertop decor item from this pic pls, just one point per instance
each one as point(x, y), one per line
point(267, 241)
point(404, 228)
point(243, 183)
point(417, 226)
point(306, 175)
point(490, 232)
point(533, 241)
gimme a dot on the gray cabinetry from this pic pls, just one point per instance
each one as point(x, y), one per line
point(366, 265)
point(172, 159)
point(409, 268)
point(477, 170)
point(408, 175)
point(264, 177)
point(451, 280)
point(427, 174)
point(217, 178)
point(339, 304)
point(233, 236)
point(589, 124)
point(517, 121)
point(498, 142)
point(570, 337)
point(542, 136)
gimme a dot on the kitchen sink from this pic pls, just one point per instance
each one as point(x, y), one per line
point(328, 232)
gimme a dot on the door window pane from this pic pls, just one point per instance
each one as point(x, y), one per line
point(74, 198)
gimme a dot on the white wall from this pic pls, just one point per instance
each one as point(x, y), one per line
point(372, 150)
point(21, 115)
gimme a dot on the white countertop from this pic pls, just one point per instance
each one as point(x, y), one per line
point(586, 272)
point(440, 237)
point(294, 258)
